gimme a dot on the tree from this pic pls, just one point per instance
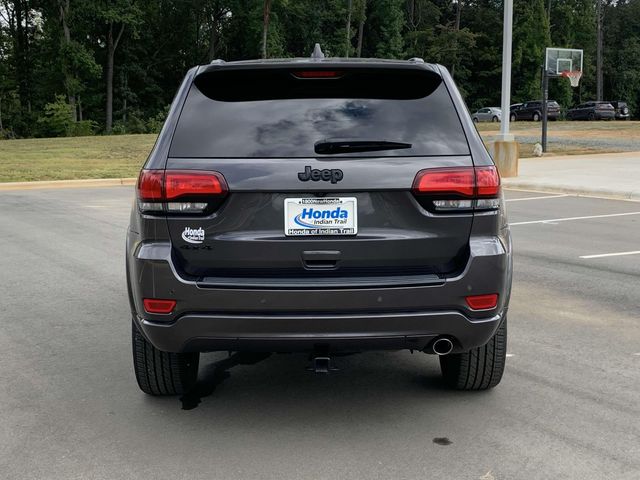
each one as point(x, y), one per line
point(19, 18)
point(481, 64)
point(139, 51)
point(265, 26)
point(531, 38)
point(622, 53)
point(216, 11)
point(573, 25)
point(347, 48)
point(361, 20)
point(77, 62)
point(456, 28)
point(423, 16)
point(385, 27)
point(116, 16)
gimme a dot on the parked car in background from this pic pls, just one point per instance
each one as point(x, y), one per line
point(622, 110)
point(488, 114)
point(533, 111)
point(592, 111)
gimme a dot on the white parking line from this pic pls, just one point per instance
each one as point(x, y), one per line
point(556, 220)
point(537, 198)
point(576, 194)
point(619, 254)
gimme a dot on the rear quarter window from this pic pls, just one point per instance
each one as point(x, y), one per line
point(272, 113)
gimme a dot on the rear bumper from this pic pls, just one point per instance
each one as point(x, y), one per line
point(280, 333)
point(285, 317)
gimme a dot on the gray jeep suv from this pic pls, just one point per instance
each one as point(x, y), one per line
point(326, 206)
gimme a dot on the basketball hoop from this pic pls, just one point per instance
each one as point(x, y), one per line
point(574, 76)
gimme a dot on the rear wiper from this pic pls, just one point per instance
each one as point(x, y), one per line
point(330, 146)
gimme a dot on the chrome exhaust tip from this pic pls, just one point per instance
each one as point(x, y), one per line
point(442, 346)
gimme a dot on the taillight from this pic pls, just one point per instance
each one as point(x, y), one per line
point(459, 188)
point(445, 181)
point(487, 182)
point(180, 191)
point(150, 184)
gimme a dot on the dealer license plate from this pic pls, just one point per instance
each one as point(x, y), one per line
point(320, 216)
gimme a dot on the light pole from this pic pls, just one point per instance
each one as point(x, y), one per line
point(507, 40)
point(504, 149)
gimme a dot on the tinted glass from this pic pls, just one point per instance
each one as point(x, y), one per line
point(253, 115)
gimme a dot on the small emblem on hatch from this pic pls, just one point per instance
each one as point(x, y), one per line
point(193, 235)
point(334, 175)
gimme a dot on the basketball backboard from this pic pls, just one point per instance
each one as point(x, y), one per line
point(562, 60)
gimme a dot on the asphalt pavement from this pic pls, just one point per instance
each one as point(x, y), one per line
point(567, 408)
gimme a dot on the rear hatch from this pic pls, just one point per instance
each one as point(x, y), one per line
point(317, 165)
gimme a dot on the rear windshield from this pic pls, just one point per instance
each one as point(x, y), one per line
point(284, 113)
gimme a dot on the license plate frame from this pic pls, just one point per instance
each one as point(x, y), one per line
point(320, 216)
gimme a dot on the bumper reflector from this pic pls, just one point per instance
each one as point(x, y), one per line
point(154, 305)
point(482, 302)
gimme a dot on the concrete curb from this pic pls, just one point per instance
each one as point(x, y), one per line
point(516, 184)
point(582, 156)
point(88, 183)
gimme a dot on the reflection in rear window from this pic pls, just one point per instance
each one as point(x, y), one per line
point(273, 114)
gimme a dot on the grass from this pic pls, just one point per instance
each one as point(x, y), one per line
point(120, 156)
point(526, 150)
point(620, 128)
point(572, 138)
point(117, 156)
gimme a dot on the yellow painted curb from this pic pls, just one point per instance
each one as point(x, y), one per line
point(88, 183)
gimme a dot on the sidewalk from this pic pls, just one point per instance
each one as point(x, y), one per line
point(615, 175)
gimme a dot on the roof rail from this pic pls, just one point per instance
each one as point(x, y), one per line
point(416, 60)
point(216, 61)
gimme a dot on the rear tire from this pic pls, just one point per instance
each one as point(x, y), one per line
point(162, 373)
point(480, 368)
point(475, 119)
point(536, 117)
point(513, 118)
